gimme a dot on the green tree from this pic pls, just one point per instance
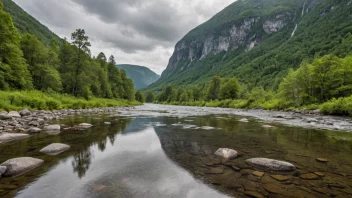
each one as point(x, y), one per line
point(214, 88)
point(150, 97)
point(13, 69)
point(139, 96)
point(80, 40)
point(230, 89)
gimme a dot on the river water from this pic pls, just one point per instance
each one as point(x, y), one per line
point(167, 151)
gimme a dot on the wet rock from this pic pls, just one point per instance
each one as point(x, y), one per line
point(235, 168)
point(266, 164)
point(274, 188)
point(254, 194)
point(8, 137)
point(258, 173)
point(85, 125)
point(322, 160)
point(55, 149)
point(310, 120)
point(215, 171)
point(244, 120)
point(25, 112)
point(319, 174)
point(14, 114)
point(280, 177)
point(2, 170)
point(20, 165)
point(309, 176)
point(107, 123)
point(267, 126)
point(52, 128)
point(34, 130)
point(226, 153)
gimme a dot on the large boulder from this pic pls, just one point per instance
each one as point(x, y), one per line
point(14, 114)
point(2, 170)
point(226, 153)
point(266, 164)
point(8, 137)
point(55, 127)
point(55, 149)
point(25, 112)
point(20, 165)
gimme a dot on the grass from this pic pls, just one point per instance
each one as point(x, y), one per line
point(36, 100)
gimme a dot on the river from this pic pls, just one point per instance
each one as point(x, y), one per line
point(168, 151)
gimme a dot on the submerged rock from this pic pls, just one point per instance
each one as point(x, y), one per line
point(266, 164)
point(2, 170)
point(215, 171)
point(244, 120)
point(322, 160)
point(226, 153)
point(107, 123)
point(20, 165)
point(8, 137)
point(258, 173)
point(309, 176)
point(55, 127)
point(267, 126)
point(55, 149)
point(85, 125)
point(280, 177)
point(253, 194)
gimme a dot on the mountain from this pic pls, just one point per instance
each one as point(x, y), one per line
point(257, 41)
point(142, 76)
point(25, 23)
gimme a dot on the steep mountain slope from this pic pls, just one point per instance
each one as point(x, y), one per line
point(25, 23)
point(257, 41)
point(141, 76)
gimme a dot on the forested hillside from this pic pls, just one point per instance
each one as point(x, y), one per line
point(259, 41)
point(142, 76)
point(27, 64)
point(25, 23)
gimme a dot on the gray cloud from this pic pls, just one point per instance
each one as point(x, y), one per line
point(140, 32)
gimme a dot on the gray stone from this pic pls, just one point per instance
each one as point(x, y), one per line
point(25, 112)
point(34, 123)
point(8, 137)
point(266, 164)
point(226, 153)
point(5, 117)
point(107, 123)
point(55, 148)
point(85, 125)
point(34, 130)
point(55, 127)
point(20, 165)
point(14, 114)
point(2, 170)
point(244, 120)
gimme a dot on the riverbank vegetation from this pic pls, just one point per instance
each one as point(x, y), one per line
point(63, 70)
point(324, 84)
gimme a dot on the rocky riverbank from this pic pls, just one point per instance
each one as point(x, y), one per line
point(18, 125)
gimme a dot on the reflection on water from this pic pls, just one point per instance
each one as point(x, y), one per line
point(151, 156)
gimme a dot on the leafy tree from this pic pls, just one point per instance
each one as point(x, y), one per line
point(150, 97)
point(139, 96)
point(230, 89)
point(80, 40)
point(13, 69)
point(214, 88)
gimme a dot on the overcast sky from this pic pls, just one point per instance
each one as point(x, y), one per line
point(142, 32)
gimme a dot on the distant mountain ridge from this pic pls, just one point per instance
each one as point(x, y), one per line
point(141, 76)
point(25, 23)
point(258, 41)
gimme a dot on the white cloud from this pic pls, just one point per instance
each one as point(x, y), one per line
point(134, 31)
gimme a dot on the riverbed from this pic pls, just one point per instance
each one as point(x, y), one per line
point(168, 151)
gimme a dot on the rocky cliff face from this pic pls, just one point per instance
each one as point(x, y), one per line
point(237, 35)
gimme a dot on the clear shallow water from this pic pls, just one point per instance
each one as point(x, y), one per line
point(163, 151)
